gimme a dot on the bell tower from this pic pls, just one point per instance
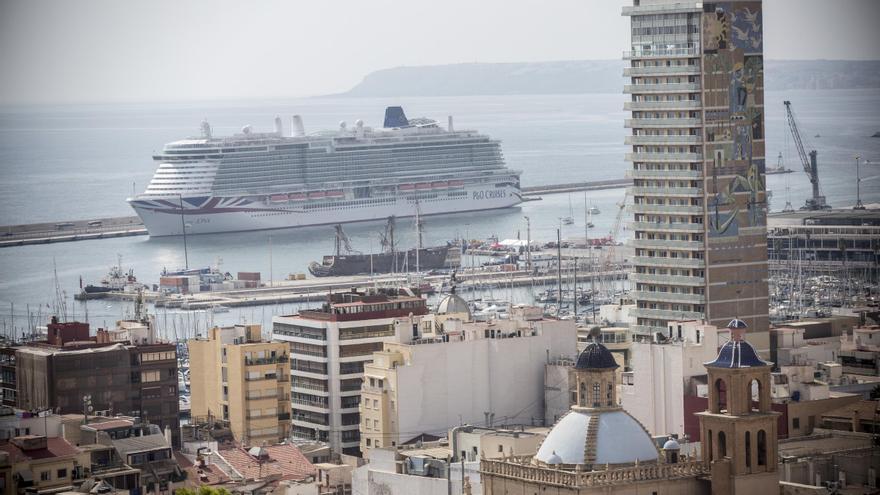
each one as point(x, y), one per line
point(595, 377)
point(739, 430)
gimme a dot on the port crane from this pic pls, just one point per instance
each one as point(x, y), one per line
point(811, 167)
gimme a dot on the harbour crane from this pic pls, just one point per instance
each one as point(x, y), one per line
point(811, 167)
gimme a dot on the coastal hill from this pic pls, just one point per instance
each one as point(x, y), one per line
point(588, 76)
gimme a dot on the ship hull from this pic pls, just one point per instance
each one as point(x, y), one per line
point(212, 214)
point(359, 264)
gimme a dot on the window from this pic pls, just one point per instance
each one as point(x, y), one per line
point(368, 442)
point(150, 376)
point(749, 449)
point(45, 475)
point(597, 395)
point(762, 448)
point(62, 473)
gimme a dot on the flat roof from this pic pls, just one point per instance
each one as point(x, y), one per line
point(822, 443)
point(825, 217)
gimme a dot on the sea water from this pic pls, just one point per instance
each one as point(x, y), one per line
point(82, 161)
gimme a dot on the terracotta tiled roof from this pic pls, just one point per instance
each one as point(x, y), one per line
point(285, 461)
point(208, 475)
point(55, 447)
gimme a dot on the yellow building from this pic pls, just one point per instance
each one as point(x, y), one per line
point(37, 463)
point(237, 377)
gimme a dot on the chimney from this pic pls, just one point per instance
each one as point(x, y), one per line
point(279, 129)
point(449, 125)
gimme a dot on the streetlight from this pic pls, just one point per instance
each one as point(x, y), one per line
point(87, 407)
point(528, 243)
point(859, 205)
point(184, 225)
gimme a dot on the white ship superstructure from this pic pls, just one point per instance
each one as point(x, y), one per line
point(254, 181)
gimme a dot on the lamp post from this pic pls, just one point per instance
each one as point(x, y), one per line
point(528, 243)
point(184, 225)
point(859, 205)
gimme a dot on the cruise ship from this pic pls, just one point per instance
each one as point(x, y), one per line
point(272, 180)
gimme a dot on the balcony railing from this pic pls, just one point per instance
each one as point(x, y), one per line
point(664, 244)
point(665, 209)
point(667, 157)
point(668, 139)
point(261, 396)
point(665, 314)
point(666, 279)
point(261, 415)
point(661, 105)
point(661, 70)
point(281, 358)
point(311, 403)
point(666, 227)
point(642, 295)
point(662, 8)
point(663, 174)
point(285, 416)
point(666, 191)
point(661, 122)
point(661, 53)
point(661, 88)
point(260, 378)
point(676, 262)
point(310, 386)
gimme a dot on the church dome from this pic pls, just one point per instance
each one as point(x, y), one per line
point(453, 304)
point(737, 352)
point(671, 444)
point(597, 437)
point(595, 356)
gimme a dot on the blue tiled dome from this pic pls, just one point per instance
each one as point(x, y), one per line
point(595, 356)
point(737, 323)
point(737, 354)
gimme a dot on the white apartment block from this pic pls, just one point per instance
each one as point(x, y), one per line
point(329, 347)
point(452, 372)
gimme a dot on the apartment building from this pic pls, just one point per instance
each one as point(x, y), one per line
point(329, 347)
point(238, 378)
point(133, 374)
point(696, 97)
point(451, 372)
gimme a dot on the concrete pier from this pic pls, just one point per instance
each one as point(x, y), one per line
point(295, 291)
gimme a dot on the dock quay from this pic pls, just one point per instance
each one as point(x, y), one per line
point(311, 290)
point(105, 228)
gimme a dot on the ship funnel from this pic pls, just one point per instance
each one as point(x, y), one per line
point(279, 129)
point(449, 125)
point(206, 129)
point(298, 130)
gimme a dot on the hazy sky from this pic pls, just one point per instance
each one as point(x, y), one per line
point(144, 50)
